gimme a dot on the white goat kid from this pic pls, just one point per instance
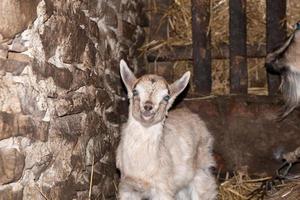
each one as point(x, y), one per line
point(162, 156)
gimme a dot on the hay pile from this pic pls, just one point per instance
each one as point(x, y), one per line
point(178, 19)
point(242, 187)
point(239, 187)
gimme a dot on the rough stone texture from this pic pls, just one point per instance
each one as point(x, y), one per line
point(61, 100)
point(15, 16)
point(11, 193)
point(11, 165)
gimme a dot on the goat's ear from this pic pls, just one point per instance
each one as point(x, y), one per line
point(127, 75)
point(178, 86)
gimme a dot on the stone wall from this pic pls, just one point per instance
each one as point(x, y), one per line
point(60, 94)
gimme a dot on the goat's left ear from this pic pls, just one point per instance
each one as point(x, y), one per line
point(178, 86)
point(127, 75)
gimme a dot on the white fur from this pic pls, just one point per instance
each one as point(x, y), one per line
point(164, 156)
point(167, 160)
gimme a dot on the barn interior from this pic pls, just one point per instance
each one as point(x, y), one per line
point(239, 106)
point(62, 102)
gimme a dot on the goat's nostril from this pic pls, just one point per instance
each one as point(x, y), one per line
point(148, 106)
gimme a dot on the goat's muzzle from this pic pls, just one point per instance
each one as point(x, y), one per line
point(272, 69)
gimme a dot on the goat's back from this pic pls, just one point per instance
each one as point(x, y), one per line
point(183, 124)
point(189, 143)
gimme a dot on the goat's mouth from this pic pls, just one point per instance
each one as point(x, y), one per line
point(147, 115)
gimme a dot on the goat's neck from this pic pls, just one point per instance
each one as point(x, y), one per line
point(146, 138)
point(143, 148)
point(136, 129)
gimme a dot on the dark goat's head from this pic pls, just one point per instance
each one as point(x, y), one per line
point(285, 61)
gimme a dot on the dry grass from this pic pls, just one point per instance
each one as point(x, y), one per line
point(242, 187)
point(257, 83)
point(177, 19)
point(220, 76)
point(293, 13)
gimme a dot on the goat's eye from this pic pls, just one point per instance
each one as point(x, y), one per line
point(135, 92)
point(167, 97)
point(297, 26)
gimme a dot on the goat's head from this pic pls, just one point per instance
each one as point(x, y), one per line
point(285, 61)
point(150, 95)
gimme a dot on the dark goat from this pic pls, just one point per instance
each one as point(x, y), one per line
point(285, 61)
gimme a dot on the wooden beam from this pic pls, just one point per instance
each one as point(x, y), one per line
point(177, 53)
point(276, 35)
point(201, 46)
point(238, 48)
point(182, 53)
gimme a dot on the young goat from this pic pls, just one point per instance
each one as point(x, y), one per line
point(286, 62)
point(162, 156)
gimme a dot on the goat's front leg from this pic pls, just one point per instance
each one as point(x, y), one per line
point(160, 195)
point(126, 192)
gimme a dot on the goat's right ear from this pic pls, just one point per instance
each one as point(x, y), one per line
point(127, 75)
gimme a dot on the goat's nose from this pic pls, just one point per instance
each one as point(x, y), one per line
point(272, 69)
point(148, 106)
